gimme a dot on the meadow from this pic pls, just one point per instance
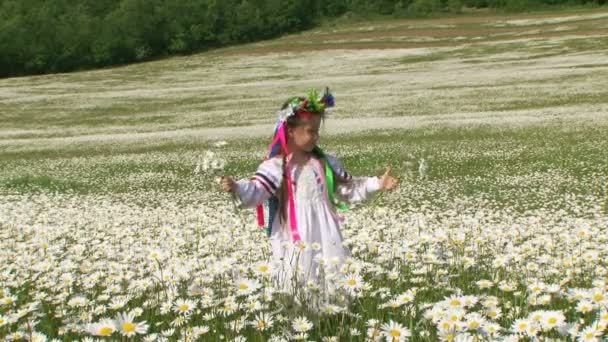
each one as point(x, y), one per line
point(112, 226)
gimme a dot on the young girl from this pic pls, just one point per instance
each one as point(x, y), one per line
point(300, 183)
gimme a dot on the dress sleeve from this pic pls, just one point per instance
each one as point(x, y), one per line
point(352, 189)
point(358, 189)
point(262, 185)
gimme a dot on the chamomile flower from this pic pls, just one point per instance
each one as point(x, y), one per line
point(552, 319)
point(394, 332)
point(585, 306)
point(301, 324)
point(184, 306)
point(262, 321)
point(127, 327)
point(246, 286)
point(352, 282)
point(263, 269)
point(588, 334)
point(105, 327)
point(484, 284)
point(521, 325)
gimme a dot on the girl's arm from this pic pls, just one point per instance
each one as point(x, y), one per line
point(260, 186)
point(360, 189)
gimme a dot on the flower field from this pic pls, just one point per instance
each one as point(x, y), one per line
point(112, 226)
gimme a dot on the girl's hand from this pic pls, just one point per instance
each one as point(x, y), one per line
point(227, 183)
point(387, 181)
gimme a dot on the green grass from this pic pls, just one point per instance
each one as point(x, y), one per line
point(479, 162)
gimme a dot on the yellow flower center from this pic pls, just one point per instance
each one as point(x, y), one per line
point(128, 327)
point(474, 325)
point(552, 320)
point(263, 268)
point(446, 325)
point(455, 302)
point(522, 326)
point(243, 286)
point(351, 282)
point(449, 337)
point(261, 324)
point(106, 331)
point(492, 313)
point(184, 307)
point(598, 297)
point(395, 333)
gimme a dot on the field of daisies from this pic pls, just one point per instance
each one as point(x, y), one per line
point(113, 228)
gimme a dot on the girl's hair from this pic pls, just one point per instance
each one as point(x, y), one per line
point(291, 122)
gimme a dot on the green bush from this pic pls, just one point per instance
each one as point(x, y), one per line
point(425, 7)
point(41, 36)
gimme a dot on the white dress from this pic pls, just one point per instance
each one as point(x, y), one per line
point(317, 222)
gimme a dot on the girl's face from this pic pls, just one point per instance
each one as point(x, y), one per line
point(305, 136)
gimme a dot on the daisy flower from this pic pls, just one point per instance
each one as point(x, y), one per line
point(77, 302)
point(406, 297)
point(301, 324)
point(589, 334)
point(584, 306)
point(332, 309)
point(474, 321)
point(127, 327)
point(598, 297)
point(8, 300)
point(262, 321)
point(455, 301)
point(374, 334)
point(352, 282)
point(492, 329)
point(263, 269)
point(484, 284)
point(105, 327)
point(184, 306)
point(394, 332)
point(521, 325)
point(246, 286)
point(552, 319)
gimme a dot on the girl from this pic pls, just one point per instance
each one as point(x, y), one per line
point(300, 182)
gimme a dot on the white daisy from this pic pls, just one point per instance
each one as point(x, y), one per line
point(184, 306)
point(301, 324)
point(127, 327)
point(394, 332)
point(105, 327)
point(262, 321)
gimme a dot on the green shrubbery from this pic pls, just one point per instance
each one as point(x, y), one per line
point(62, 35)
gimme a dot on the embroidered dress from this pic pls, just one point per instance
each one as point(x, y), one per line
point(318, 224)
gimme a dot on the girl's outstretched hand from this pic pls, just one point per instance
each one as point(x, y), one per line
point(387, 181)
point(227, 183)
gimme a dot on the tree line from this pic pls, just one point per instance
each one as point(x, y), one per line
point(43, 36)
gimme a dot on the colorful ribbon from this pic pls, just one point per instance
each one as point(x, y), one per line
point(280, 137)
